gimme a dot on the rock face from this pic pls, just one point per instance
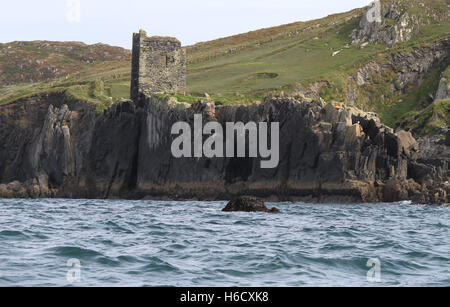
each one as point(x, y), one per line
point(44, 144)
point(396, 74)
point(411, 67)
point(443, 90)
point(396, 21)
point(248, 204)
point(52, 147)
point(414, 65)
point(387, 22)
point(406, 70)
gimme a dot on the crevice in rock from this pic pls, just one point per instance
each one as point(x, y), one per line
point(111, 182)
point(133, 178)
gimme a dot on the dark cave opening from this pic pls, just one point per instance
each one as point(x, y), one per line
point(238, 169)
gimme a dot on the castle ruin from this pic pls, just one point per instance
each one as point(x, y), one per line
point(158, 65)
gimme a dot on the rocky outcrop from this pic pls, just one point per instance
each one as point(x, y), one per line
point(443, 91)
point(384, 81)
point(248, 204)
point(431, 165)
point(396, 21)
point(44, 144)
point(381, 81)
point(111, 169)
point(412, 67)
point(53, 147)
point(387, 22)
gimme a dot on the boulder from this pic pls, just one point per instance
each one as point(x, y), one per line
point(407, 143)
point(248, 204)
point(443, 90)
point(331, 113)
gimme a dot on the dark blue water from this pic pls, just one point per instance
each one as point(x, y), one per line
point(164, 243)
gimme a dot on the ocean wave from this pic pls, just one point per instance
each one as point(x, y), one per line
point(75, 252)
point(156, 264)
point(405, 202)
point(118, 228)
point(13, 234)
point(195, 244)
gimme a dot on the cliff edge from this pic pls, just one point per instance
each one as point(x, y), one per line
point(55, 147)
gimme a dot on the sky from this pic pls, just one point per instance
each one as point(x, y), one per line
point(191, 21)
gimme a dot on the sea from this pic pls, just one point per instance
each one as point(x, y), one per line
point(83, 243)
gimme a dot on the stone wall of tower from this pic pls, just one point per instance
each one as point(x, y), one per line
point(158, 65)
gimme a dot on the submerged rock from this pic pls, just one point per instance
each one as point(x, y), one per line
point(248, 204)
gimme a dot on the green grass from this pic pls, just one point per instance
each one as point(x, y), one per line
point(102, 84)
point(218, 100)
point(289, 61)
point(298, 53)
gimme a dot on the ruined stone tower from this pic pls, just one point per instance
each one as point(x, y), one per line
point(158, 65)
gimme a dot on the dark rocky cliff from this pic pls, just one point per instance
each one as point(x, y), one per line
point(52, 147)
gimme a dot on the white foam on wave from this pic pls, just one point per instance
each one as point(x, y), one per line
point(405, 202)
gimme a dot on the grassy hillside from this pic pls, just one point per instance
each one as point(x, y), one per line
point(243, 68)
point(98, 73)
point(101, 84)
point(296, 55)
point(37, 61)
